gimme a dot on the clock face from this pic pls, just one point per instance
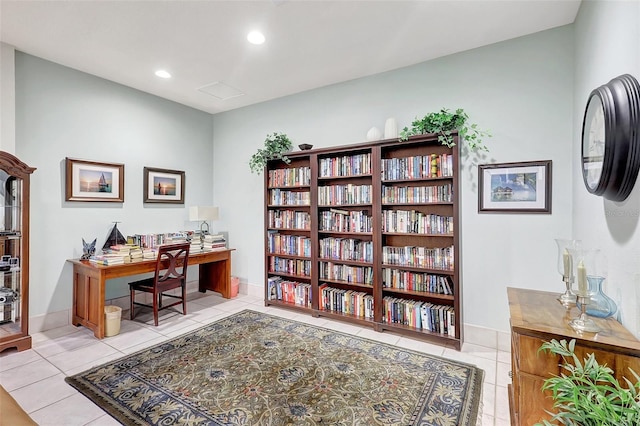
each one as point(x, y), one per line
point(593, 142)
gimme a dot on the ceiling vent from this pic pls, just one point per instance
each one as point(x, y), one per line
point(221, 91)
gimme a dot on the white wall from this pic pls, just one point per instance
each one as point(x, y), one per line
point(520, 89)
point(607, 44)
point(7, 99)
point(61, 112)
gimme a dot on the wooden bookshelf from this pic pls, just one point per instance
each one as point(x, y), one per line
point(366, 205)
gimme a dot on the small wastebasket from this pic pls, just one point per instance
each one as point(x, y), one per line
point(112, 323)
point(235, 286)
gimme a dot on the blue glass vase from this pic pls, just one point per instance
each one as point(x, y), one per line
point(600, 305)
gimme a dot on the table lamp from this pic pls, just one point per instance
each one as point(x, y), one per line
point(203, 213)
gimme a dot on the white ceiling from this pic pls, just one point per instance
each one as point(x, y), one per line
point(309, 43)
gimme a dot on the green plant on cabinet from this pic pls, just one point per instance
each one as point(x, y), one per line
point(275, 146)
point(444, 123)
point(587, 393)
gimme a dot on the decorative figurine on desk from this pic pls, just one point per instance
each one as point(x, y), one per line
point(114, 238)
point(88, 250)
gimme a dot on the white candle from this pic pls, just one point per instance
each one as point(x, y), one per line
point(568, 263)
point(582, 279)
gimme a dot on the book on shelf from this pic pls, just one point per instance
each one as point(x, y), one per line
point(340, 211)
point(289, 291)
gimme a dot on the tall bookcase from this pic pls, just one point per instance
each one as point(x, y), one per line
point(368, 233)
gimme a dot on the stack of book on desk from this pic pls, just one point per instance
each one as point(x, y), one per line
point(128, 252)
point(212, 242)
point(149, 253)
point(107, 259)
point(208, 243)
point(196, 245)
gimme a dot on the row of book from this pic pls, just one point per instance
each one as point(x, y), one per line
point(293, 245)
point(279, 197)
point(345, 221)
point(346, 249)
point(420, 315)
point(289, 291)
point(416, 281)
point(150, 241)
point(295, 176)
point(414, 167)
point(419, 257)
point(353, 274)
point(417, 194)
point(356, 303)
point(289, 219)
point(290, 266)
point(417, 167)
point(344, 194)
point(349, 165)
point(415, 222)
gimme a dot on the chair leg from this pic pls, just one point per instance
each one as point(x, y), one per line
point(155, 307)
point(184, 300)
point(131, 299)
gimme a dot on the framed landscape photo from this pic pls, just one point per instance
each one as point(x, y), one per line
point(94, 181)
point(163, 186)
point(515, 187)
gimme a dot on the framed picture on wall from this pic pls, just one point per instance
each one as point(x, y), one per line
point(515, 187)
point(163, 186)
point(94, 181)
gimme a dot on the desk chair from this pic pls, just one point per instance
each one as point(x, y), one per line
point(171, 273)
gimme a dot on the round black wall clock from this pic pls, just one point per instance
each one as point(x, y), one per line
point(610, 139)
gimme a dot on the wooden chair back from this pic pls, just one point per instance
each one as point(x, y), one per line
point(171, 265)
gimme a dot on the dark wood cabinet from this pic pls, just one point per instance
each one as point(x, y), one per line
point(14, 253)
point(368, 233)
point(536, 317)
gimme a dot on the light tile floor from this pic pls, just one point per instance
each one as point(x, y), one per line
point(35, 377)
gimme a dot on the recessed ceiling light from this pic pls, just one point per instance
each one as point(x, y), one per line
point(255, 37)
point(163, 74)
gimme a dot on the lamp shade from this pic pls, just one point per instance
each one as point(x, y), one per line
point(203, 213)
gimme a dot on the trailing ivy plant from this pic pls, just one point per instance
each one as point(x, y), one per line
point(444, 122)
point(275, 146)
point(587, 393)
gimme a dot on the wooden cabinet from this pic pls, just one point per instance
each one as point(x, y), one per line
point(14, 253)
point(368, 233)
point(536, 317)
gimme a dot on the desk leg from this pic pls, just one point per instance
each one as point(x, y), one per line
point(216, 276)
point(88, 299)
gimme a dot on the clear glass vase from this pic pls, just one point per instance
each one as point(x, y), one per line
point(600, 305)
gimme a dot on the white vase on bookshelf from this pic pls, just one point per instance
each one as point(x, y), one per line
point(374, 134)
point(390, 128)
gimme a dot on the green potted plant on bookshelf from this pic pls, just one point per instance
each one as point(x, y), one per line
point(444, 122)
point(275, 146)
point(587, 393)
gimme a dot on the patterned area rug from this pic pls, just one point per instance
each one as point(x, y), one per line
point(256, 369)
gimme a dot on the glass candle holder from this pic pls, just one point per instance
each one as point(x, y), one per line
point(586, 263)
point(583, 322)
point(565, 266)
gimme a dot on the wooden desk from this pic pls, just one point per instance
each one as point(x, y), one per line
point(89, 282)
point(536, 317)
